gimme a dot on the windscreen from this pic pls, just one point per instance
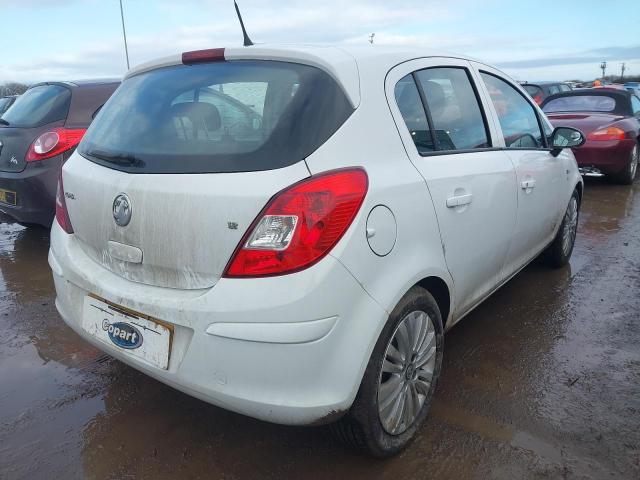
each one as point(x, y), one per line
point(581, 103)
point(40, 105)
point(243, 115)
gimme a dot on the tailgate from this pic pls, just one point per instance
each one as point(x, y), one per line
point(186, 226)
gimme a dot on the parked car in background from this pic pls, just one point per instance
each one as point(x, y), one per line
point(633, 87)
point(614, 86)
point(610, 119)
point(298, 259)
point(6, 102)
point(541, 90)
point(37, 135)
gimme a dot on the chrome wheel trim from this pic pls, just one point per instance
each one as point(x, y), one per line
point(633, 166)
point(407, 372)
point(570, 226)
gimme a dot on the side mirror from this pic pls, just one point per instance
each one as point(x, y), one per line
point(565, 137)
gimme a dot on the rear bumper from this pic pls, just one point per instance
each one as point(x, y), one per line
point(610, 157)
point(288, 349)
point(35, 192)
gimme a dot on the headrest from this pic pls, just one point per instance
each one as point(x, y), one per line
point(198, 112)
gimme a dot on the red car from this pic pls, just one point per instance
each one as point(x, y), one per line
point(610, 120)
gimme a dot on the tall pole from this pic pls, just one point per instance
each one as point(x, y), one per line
point(624, 67)
point(603, 66)
point(124, 34)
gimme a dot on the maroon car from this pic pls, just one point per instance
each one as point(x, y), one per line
point(610, 120)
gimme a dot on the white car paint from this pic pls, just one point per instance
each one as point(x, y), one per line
point(292, 349)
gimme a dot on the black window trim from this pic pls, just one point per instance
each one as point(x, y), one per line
point(546, 146)
point(434, 138)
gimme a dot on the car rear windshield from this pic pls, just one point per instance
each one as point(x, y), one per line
point(581, 103)
point(532, 90)
point(40, 105)
point(241, 115)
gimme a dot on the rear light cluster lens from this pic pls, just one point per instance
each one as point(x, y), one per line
point(610, 133)
point(274, 232)
point(54, 142)
point(538, 99)
point(300, 225)
point(62, 215)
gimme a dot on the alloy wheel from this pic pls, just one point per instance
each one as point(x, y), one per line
point(407, 372)
point(570, 226)
point(633, 166)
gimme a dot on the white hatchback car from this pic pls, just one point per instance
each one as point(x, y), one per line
point(286, 232)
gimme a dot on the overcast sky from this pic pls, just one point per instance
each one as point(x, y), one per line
point(531, 40)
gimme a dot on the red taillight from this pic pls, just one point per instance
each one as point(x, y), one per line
point(54, 142)
point(610, 133)
point(200, 56)
point(62, 215)
point(538, 99)
point(300, 225)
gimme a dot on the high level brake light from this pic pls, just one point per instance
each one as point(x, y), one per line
point(54, 142)
point(610, 133)
point(202, 56)
point(300, 225)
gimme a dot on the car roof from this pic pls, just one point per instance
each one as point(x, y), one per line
point(345, 63)
point(80, 83)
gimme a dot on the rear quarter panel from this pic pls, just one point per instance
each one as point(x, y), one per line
point(370, 139)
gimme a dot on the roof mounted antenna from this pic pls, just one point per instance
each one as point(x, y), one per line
point(247, 40)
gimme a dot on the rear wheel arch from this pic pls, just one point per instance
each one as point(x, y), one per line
point(580, 189)
point(439, 289)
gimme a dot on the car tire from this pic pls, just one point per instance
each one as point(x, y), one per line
point(362, 427)
point(628, 175)
point(560, 250)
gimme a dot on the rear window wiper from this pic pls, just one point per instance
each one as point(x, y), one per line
point(120, 158)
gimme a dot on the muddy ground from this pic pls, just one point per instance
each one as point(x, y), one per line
point(541, 381)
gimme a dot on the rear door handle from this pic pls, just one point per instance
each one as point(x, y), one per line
point(459, 200)
point(527, 184)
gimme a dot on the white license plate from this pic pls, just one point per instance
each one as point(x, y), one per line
point(131, 332)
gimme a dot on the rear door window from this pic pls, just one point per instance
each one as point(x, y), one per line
point(242, 115)
point(413, 114)
point(457, 119)
point(40, 105)
point(518, 119)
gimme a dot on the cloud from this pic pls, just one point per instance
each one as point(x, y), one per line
point(333, 21)
point(589, 56)
point(195, 24)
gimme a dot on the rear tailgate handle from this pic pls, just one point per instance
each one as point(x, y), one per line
point(459, 200)
point(527, 184)
point(123, 252)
